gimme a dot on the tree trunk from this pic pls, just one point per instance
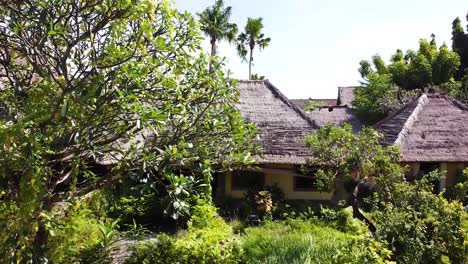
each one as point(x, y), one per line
point(39, 244)
point(40, 240)
point(213, 53)
point(250, 63)
point(357, 213)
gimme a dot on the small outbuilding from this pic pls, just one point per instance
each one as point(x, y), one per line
point(432, 133)
point(333, 111)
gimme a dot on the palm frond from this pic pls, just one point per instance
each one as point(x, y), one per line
point(215, 23)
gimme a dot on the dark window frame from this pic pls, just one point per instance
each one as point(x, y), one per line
point(242, 173)
point(310, 175)
point(305, 189)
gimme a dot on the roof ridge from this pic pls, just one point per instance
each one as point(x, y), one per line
point(397, 112)
point(350, 86)
point(457, 103)
point(247, 81)
point(290, 104)
point(422, 100)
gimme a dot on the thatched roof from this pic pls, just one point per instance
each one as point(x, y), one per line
point(346, 95)
point(302, 103)
point(336, 115)
point(282, 126)
point(432, 128)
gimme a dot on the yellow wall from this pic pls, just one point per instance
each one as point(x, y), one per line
point(451, 168)
point(285, 182)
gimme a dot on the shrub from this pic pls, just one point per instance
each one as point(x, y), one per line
point(419, 226)
point(336, 217)
point(256, 200)
point(76, 230)
point(340, 219)
point(208, 239)
point(237, 226)
point(460, 189)
point(361, 250)
point(99, 253)
point(79, 232)
point(229, 207)
point(127, 207)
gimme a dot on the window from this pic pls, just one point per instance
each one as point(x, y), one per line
point(243, 180)
point(305, 183)
point(426, 168)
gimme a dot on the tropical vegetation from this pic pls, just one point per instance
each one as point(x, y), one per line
point(251, 37)
point(113, 121)
point(388, 86)
point(103, 93)
point(214, 23)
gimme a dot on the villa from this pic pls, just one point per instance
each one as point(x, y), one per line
point(431, 132)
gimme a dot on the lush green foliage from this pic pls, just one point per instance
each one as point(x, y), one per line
point(387, 87)
point(76, 230)
point(460, 46)
point(342, 155)
point(415, 70)
point(256, 76)
point(459, 191)
point(378, 97)
point(100, 252)
point(312, 106)
point(208, 240)
point(306, 241)
point(249, 39)
point(79, 231)
point(130, 208)
point(121, 83)
point(419, 226)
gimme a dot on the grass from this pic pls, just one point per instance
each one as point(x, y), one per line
point(465, 225)
point(292, 241)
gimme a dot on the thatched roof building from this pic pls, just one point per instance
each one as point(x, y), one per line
point(336, 115)
point(333, 111)
point(346, 95)
point(302, 103)
point(282, 126)
point(432, 128)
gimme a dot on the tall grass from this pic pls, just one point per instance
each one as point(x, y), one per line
point(292, 241)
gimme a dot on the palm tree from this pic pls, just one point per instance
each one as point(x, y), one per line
point(251, 37)
point(215, 24)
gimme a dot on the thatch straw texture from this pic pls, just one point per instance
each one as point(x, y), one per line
point(432, 128)
point(346, 95)
point(337, 115)
point(282, 126)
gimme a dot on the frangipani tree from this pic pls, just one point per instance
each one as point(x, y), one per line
point(344, 156)
point(110, 83)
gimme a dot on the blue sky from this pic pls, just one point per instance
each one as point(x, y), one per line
point(316, 46)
